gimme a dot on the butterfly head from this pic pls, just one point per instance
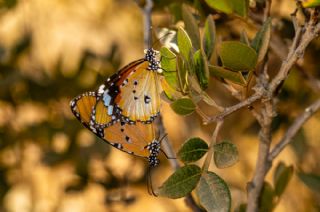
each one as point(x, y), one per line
point(151, 56)
point(154, 149)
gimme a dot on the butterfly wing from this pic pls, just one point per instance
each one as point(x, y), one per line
point(90, 110)
point(131, 138)
point(139, 94)
point(133, 92)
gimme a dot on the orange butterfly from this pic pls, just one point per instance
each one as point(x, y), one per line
point(121, 111)
point(131, 96)
point(134, 138)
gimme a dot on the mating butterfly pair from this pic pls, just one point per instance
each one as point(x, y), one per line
point(122, 110)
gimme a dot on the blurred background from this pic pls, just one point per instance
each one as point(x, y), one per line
point(51, 51)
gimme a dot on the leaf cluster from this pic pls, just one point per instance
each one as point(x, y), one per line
point(211, 190)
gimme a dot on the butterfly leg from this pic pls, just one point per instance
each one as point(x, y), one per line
point(149, 183)
point(167, 155)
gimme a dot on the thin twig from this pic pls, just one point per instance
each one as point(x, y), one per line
point(264, 116)
point(275, 45)
point(147, 23)
point(300, 43)
point(262, 165)
point(234, 92)
point(206, 164)
point(229, 110)
point(294, 128)
point(166, 144)
point(267, 10)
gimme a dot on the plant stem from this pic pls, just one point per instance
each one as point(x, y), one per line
point(262, 165)
point(208, 160)
point(294, 128)
point(229, 110)
point(304, 35)
point(147, 23)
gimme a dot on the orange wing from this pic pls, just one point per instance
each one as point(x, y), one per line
point(139, 96)
point(91, 112)
point(131, 138)
point(134, 92)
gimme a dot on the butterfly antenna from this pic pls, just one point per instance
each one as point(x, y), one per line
point(159, 39)
point(161, 139)
point(165, 154)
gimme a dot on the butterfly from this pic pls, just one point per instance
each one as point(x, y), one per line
point(134, 138)
point(133, 92)
point(122, 110)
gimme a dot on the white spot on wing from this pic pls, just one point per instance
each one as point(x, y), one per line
point(101, 89)
point(93, 129)
point(106, 98)
point(110, 110)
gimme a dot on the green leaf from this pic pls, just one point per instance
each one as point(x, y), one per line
point(222, 5)
point(240, 7)
point(201, 68)
point(168, 60)
point(233, 76)
point(213, 193)
point(181, 183)
point(311, 3)
point(195, 91)
point(209, 36)
point(237, 56)
point(170, 92)
point(169, 65)
point(191, 26)
point(183, 106)
point(225, 154)
point(182, 74)
point(267, 198)
point(190, 65)
point(192, 150)
point(184, 43)
point(198, 94)
point(260, 43)
point(311, 180)
point(282, 177)
point(171, 78)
